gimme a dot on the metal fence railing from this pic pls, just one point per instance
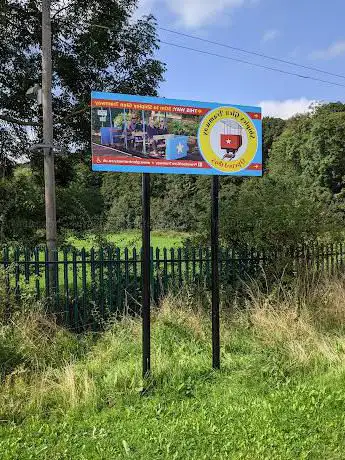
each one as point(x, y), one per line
point(92, 284)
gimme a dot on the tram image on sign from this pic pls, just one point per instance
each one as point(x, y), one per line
point(231, 141)
point(149, 134)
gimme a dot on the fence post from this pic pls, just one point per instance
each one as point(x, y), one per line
point(47, 272)
point(208, 268)
point(200, 257)
point(179, 267)
point(75, 289)
point(186, 257)
point(193, 265)
point(17, 273)
point(26, 265)
point(37, 272)
point(158, 280)
point(172, 261)
point(110, 259)
point(56, 292)
point(68, 312)
point(84, 315)
point(165, 269)
point(135, 268)
point(126, 268)
point(7, 282)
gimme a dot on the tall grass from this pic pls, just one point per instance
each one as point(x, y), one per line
point(277, 335)
point(278, 395)
point(306, 322)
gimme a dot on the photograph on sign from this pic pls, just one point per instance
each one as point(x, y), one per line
point(158, 135)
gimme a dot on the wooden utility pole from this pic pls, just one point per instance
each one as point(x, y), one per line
point(49, 174)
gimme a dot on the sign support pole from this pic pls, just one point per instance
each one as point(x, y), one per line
point(215, 273)
point(145, 270)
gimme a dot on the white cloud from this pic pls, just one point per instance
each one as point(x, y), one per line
point(286, 109)
point(334, 50)
point(270, 35)
point(194, 13)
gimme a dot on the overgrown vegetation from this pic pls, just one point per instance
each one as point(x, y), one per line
point(299, 199)
point(279, 394)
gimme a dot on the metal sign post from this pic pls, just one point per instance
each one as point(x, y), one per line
point(227, 140)
point(215, 272)
point(145, 270)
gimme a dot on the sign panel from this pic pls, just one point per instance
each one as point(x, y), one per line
point(158, 135)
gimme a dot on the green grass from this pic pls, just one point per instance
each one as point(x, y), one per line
point(132, 239)
point(215, 419)
point(279, 394)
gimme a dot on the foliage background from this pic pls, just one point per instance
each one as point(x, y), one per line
point(300, 198)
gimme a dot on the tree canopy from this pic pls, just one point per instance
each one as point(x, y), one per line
point(96, 45)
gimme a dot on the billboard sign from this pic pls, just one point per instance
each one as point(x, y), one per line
point(158, 135)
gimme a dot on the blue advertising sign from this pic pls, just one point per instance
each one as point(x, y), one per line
point(158, 135)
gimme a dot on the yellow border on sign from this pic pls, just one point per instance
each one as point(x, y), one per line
point(204, 137)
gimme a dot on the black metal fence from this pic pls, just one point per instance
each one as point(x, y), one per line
point(90, 285)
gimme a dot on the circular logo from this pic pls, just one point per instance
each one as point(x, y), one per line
point(227, 139)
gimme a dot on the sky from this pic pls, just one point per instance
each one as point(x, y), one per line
point(308, 32)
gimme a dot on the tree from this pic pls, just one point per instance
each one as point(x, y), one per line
point(122, 198)
point(21, 208)
point(312, 147)
point(275, 212)
point(96, 45)
point(85, 57)
point(271, 130)
point(178, 202)
point(6, 163)
point(179, 205)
